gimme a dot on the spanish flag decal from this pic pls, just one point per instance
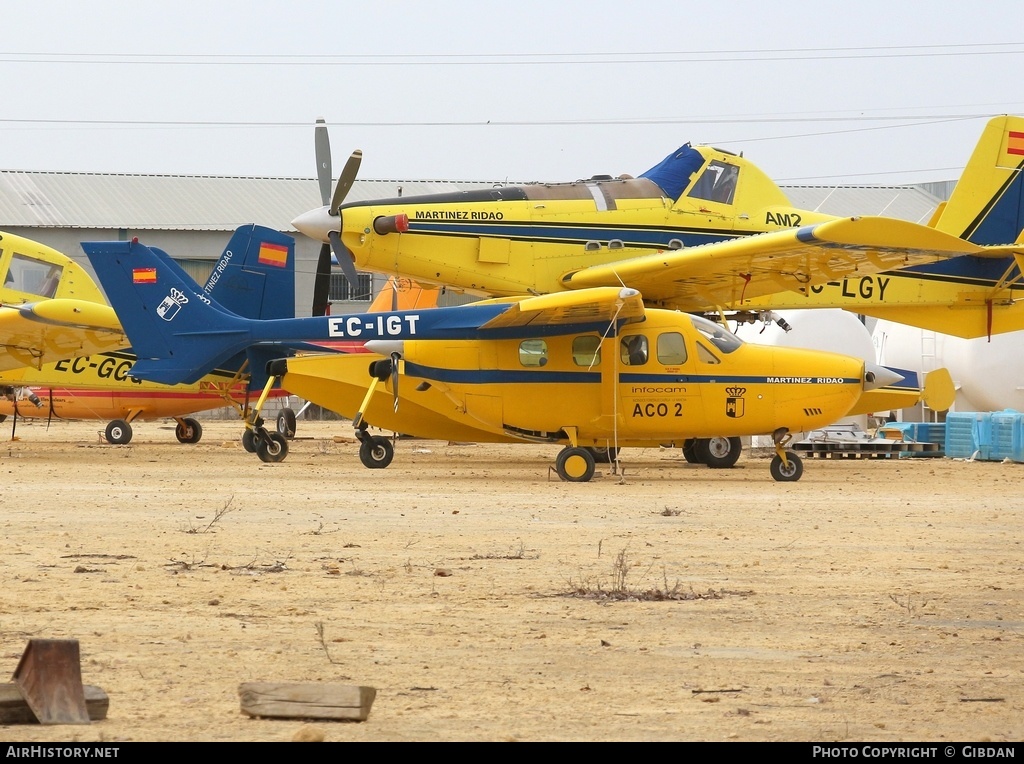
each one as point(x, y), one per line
point(143, 275)
point(273, 254)
point(1015, 142)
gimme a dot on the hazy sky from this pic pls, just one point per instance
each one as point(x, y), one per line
point(813, 92)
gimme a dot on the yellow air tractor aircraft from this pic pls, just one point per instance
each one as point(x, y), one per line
point(50, 309)
point(592, 368)
point(67, 357)
point(705, 231)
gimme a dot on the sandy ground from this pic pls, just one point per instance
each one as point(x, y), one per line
point(480, 596)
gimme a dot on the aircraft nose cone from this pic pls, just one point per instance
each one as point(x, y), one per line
point(876, 376)
point(316, 224)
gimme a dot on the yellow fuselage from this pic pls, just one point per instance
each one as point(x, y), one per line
point(582, 389)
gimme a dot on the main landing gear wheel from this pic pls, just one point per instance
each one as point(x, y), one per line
point(690, 451)
point(118, 432)
point(603, 454)
point(286, 422)
point(575, 464)
point(376, 452)
point(249, 441)
point(272, 447)
point(717, 453)
point(188, 430)
point(787, 473)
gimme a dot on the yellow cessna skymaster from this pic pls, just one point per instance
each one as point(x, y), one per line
point(703, 231)
point(591, 368)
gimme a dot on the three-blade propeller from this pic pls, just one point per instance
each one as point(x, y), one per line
point(322, 144)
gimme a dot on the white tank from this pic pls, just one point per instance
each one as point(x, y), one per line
point(988, 375)
point(834, 330)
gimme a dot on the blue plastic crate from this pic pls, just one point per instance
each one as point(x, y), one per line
point(1004, 424)
point(928, 432)
point(968, 434)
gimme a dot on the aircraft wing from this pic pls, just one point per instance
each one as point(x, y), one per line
point(33, 334)
point(728, 272)
point(603, 304)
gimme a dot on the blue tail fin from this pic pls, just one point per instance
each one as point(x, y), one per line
point(147, 291)
point(255, 276)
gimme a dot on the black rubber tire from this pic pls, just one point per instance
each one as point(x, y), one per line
point(118, 432)
point(376, 452)
point(690, 451)
point(718, 453)
point(286, 422)
point(575, 465)
point(249, 440)
point(603, 454)
point(272, 448)
point(188, 430)
point(783, 474)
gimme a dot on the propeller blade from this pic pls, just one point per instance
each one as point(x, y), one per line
point(345, 180)
point(344, 258)
point(324, 175)
point(394, 377)
point(322, 282)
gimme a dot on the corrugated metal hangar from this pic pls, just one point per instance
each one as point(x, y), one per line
point(192, 217)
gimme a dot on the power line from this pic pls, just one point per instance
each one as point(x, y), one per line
point(910, 119)
point(517, 59)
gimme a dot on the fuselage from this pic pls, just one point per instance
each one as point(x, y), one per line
point(540, 238)
point(100, 386)
point(667, 379)
point(514, 240)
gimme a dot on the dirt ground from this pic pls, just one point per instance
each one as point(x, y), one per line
point(482, 598)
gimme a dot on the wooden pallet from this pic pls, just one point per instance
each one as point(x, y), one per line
point(867, 449)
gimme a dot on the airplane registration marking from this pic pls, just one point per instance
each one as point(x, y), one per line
point(380, 326)
point(105, 369)
point(864, 287)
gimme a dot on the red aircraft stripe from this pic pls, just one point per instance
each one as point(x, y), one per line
point(1015, 142)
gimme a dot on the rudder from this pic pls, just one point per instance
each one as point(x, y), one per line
point(987, 204)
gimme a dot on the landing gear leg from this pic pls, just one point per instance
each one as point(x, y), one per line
point(786, 466)
point(269, 446)
point(375, 451)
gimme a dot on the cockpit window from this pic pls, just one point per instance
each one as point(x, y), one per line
point(717, 334)
point(717, 183)
point(633, 350)
point(26, 274)
point(671, 349)
point(705, 355)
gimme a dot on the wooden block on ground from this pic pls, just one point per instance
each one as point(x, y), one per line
point(14, 709)
point(49, 676)
point(306, 700)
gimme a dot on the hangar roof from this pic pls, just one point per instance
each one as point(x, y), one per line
point(208, 203)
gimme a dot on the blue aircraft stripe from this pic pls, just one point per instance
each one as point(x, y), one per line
point(964, 269)
point(653, 238)
point(542, 376)
point(498, 376)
